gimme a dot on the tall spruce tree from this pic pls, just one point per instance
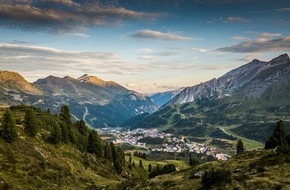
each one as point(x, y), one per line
point(94, 145)
point(30, 123)
point(65, 115)
point(278, 138)
point(116, 158)
point(56, 133)
point(108, 152)
point(240, 147)
point(64, 132)
point(9, 132)
point(82, 128)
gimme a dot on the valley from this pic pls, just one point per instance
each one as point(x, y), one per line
point(195, 132)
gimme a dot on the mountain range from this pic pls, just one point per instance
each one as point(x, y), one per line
point(100, 103)
point(251, 79)
point(246, 101)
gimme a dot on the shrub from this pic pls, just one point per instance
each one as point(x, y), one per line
point(215, 176)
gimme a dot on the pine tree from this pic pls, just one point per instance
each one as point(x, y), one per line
point(108, 152)
point(55, 134)
point(114, 151)
point(121, 156)
point(82, 128)
point(64, 132)
point(140, 164)
point(30, 123)
point(9, 132)
point(240, 147)
point(278, 138)
point(116, 158)
point(94, 145)
point(65, 115)
point(150, 168)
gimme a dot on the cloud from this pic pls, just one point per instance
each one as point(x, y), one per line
point(232, 19)
point(239, 38)
point(261, 44)
point(26, 58)
point(132, 85)
point(82, 35)
point(167, 87)
point(200, 50)
point(35, 62)
point(269, 35)
point(62, 16)
point(152, 34)
point(284, 9)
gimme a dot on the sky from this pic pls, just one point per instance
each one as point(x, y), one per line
point(145, 45)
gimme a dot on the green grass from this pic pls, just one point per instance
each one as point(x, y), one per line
point(248, 143)
point(179, 163)
point(248, 171)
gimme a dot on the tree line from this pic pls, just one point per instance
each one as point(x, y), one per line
point(62, 130)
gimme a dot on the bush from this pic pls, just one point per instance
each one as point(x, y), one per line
point(215, 176)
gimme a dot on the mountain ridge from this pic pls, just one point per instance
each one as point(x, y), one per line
point(229, 82)
point(100, 102)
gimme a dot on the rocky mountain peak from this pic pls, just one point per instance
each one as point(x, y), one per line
point(13, 80)
point(284, 58)
point(97, 81)
point(253, 77)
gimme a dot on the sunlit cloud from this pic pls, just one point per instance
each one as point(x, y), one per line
point(152, 34)
point(200, 50)
point(166, 87)
point(265, 42)
point(242, 38)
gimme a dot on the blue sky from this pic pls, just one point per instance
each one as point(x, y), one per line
point(145, 45)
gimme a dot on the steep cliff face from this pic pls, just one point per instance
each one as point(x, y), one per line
point(251, 79)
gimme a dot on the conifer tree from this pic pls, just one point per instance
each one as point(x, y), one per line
point(30, 123)
point(56, 133)
point(240, 147)
point(150, 168)
point(108, 152)
point(82, 128)
point(94, 145)
point(121, 156)
point(114, 151)
point(9, 132)
point(65, 115)
point(116, 158)
point(140, 164)
point(64, 132)
point(278, 138)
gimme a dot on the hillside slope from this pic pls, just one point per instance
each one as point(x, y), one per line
point(36, 163)
point(250, 171)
